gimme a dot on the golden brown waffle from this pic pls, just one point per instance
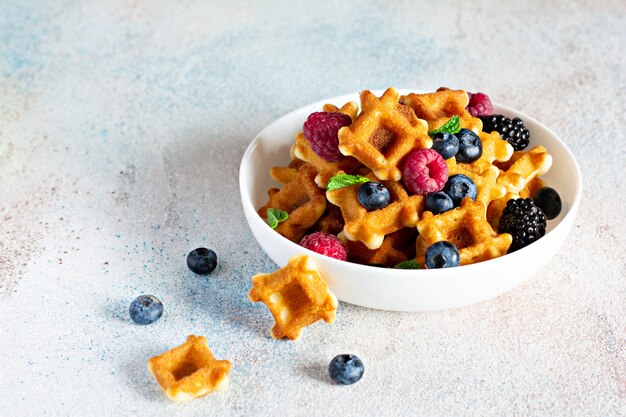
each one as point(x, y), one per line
point(296, 295)
point(303, 151)
point(371, 227)
point(331, 221)
point(487, 186)
point(190, 370)
point(391, 252)
point(326, 170)
point(436, 108)
point(383, 133)
point(495, 149)
point(301, 198)
point(467, 229)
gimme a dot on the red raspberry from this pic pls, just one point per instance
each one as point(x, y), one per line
point(479, 104)
point(425, 171)
point(322, 129)
point(325, 244)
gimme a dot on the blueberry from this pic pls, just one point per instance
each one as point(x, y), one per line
point(438, 202)
point(549, 201)
point(442, 255)
point(346, 369)
point(446, 144)
point(459, 186)
point(202, 261)
point(470, 146)
point(145, 309)
point(373, 195)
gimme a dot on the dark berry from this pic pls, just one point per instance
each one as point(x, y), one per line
point(446, 144)
point(373, 195)
point(549, 201)
point(470, 147)
point(479, 104)
point(438, 202)
point(325, 244)
point(346, 369)
point(513, 131)
point(145, 309)
point(424, 171)
point(322, 131)
point(442, 255)
point(460, 186)
point(524, 221)
point(202, 261)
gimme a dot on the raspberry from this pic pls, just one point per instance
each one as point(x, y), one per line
point(424, 172)
point(325, 244)
point(321, 130)
point(479, 104)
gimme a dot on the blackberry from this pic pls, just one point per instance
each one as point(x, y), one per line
point(513, 131)
point(524, 221)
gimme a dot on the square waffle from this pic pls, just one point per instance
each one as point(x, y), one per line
point(190, 370)
point(300, 197)
point(383, 133)
point(296, 295)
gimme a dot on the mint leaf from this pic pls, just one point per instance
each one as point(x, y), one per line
point(451, 126)
point(275, 216)
point(345, 180)
point(410, 264)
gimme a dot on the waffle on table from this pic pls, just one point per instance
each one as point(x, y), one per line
point(382, 133)
point(190, 370)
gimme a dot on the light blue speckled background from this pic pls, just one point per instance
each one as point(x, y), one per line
point(122, 124)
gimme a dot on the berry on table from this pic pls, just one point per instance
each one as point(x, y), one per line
point(549, 201)
point(442, 254)
point(373, 195)
point(460, 186)
point(446, 144)
point(513, 131)
point(202, 261)
point(346, 369)
point(145, 309)
point(470, 146)
point(322, 131)
point(438, 202)
point(325, 244)
point(425, 171)
point(479, 104)
point(524, 221)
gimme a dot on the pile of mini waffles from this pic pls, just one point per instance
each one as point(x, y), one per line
point(415, 181)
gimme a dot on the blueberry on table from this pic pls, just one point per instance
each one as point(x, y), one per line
point(202, 261)
point(345, 369)
point(373, 195)
point(470, 147)
point(446, 144)
point(442, 255)
point(549, 201)
point(460, 186)
point(145, 309)
point(438, 202)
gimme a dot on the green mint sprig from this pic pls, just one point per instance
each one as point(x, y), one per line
point(453, 125)
point(275, 216)
point(345, 180)
point(410, 264)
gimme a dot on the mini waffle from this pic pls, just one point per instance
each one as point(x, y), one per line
point(438, 107)
point(301, 198)
point(383, 133)
point(467, 229)
point(350, 108)
point(392, 251)
point(303, 150)
point(371, 227)
point(190, 370)
point(296, 295)
point(486, 181)
point(331, 221)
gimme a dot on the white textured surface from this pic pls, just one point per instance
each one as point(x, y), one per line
point(121, 128)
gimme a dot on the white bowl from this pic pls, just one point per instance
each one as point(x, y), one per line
point(408, 290)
